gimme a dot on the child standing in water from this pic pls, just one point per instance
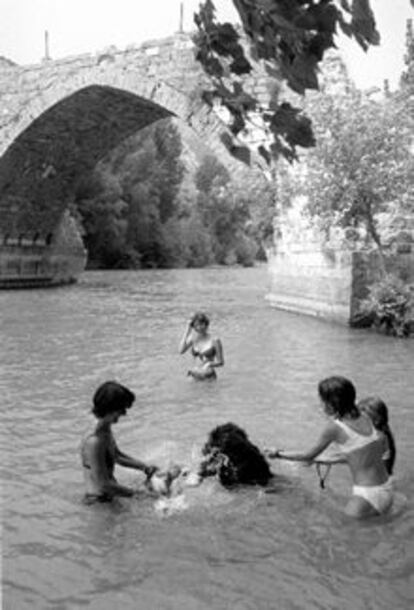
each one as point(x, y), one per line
point(377, 411)
point(99, 451)
point(360, 443)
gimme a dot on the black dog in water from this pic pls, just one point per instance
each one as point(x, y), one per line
point(230, 455)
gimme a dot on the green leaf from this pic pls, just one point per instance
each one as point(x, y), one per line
point(242, 153)
point(295, 127)
point(208, 97)
point(319, 43)
point(227, 140)
point(281, 22)
point(238, 124)
point(302, 73)
point(207, 12)
point(244, 100)
point(212, 66)
point(265, 154)
point(363, 24)
point(240, 66)
point(324, 16)
point(345, 27)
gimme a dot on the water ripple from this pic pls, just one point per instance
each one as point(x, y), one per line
point(250, 550)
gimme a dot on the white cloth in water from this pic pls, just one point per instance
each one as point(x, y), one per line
point(159, 484)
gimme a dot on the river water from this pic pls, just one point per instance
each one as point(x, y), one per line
point(214, 549)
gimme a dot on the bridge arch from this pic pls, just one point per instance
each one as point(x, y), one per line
point(58, 118)
point(67, 127)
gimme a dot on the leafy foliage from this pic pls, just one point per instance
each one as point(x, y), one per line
point(362, 162)
point(290, 38)
point(136, 212)
point(226, 214)
point(130, 195)
point(390, 306)
point(361, 165)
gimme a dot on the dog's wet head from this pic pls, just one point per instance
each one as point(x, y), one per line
point(221, 435)
point(231, 456)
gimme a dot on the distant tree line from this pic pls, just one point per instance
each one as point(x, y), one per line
point(140, 208)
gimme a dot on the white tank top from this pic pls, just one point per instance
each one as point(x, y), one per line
point(355, 440)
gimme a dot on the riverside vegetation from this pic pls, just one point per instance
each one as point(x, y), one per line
point(156, 201)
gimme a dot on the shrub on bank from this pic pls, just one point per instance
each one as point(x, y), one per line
point(390, 307)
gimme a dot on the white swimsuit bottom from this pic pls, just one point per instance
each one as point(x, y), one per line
point(379, 496)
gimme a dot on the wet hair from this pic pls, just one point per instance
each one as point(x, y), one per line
point(234, 458)
point(111, 396)
point(221, 434)
point(377, 410)
point(339, 393)
point(201, 318)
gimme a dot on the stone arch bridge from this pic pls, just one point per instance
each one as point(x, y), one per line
point(58, 118)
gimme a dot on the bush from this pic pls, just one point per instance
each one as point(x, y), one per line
point(246, 250)
point(185, 243)
point(390, 306)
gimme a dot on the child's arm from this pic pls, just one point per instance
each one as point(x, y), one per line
point(335, 459)
point(186, 340)
point(326, 438)
point(129, 462)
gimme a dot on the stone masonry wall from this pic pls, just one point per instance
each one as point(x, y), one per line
point(312, 281)
point(314, 275)
point(28, 263)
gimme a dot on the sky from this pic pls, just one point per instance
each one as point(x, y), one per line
point(89, 26)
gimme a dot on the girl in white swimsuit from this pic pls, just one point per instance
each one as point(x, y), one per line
point(360, 445)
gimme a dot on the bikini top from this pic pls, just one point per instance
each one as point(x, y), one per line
point(355, 440)
point(207, 354)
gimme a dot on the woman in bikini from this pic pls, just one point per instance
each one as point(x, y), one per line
point(99, 451)
point(208, 351)
point(361, 445)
